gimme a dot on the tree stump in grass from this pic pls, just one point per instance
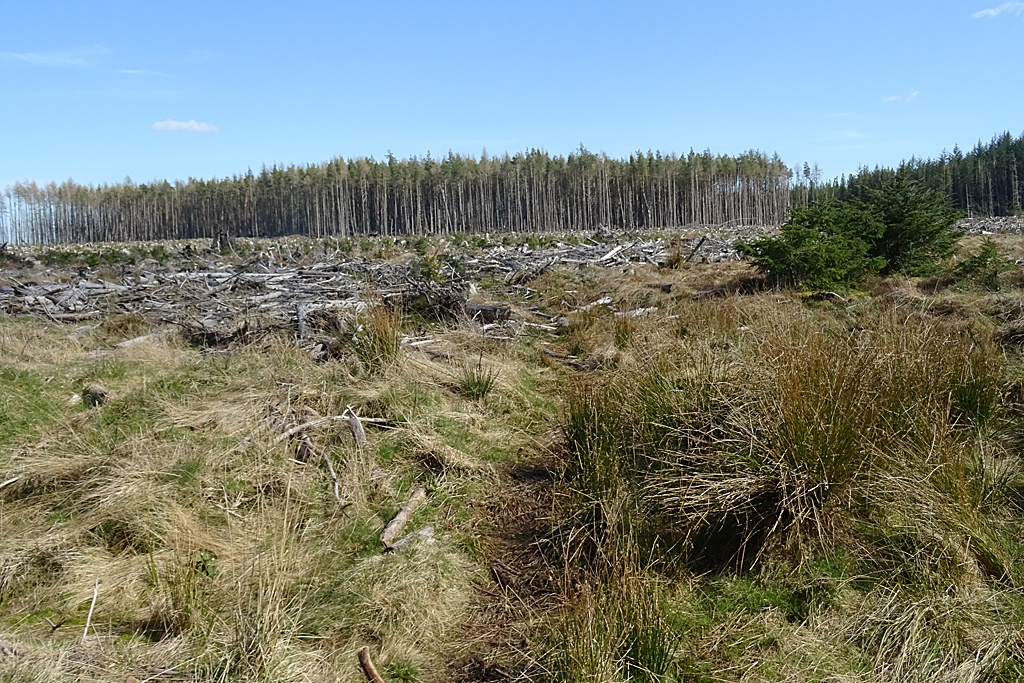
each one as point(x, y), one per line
point(94, 395)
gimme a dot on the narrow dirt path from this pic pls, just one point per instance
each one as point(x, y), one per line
point(523, 570)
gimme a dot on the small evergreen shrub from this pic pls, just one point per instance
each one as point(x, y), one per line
point(983, 269)
point(900, 228)
point(821, 246)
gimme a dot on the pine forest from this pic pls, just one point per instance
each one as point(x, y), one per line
point(528, 192)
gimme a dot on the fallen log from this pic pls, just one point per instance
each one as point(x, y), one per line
point(487, 313)
point(394, 528)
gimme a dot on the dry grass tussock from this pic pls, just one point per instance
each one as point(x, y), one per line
point(835, 472)
point(742, 486)
point(222, 550)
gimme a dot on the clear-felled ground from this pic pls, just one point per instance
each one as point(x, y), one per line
point(721, 483)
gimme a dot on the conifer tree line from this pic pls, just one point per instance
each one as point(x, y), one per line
point(532, 191)
point(528, 192)
point(986, 181)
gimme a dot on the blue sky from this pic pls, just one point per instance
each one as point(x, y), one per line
point(102, 90)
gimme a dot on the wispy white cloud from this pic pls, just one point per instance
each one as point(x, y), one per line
point(143, 72)
point(46, 58)
point(1016, 8)
point(191, 126)
point(75, 57)
point(909, 97)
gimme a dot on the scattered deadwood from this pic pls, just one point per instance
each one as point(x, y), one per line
point(334, 479)
point(305, 450)
point(300, 320)
point(356, 425)
point(637, 312)
point(696, 249)
point(218, 304)
point(288, 433)
point(425, 535)
point(394, 528)
point(348, 416)
point(368, 668)
point(488, 313)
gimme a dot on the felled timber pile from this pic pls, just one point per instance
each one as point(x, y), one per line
point(215, 302)
point(204, 302)
point(1013, 225)
point(519, 264)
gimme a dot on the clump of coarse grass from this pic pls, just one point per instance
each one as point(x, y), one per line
point(778, 444)
point(625, 331)
point(122, 327)
point(409, 604)
point(615, 629)
point(263, 620)
point(477, 381)
point(31, 663)
point(376, 338)
point(913, 635)
point(803, 438)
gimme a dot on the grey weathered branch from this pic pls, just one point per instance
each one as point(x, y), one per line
point(218, 303)
point(288, 433)
point(356, 425)
point(92, 606)
point(394, 528)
